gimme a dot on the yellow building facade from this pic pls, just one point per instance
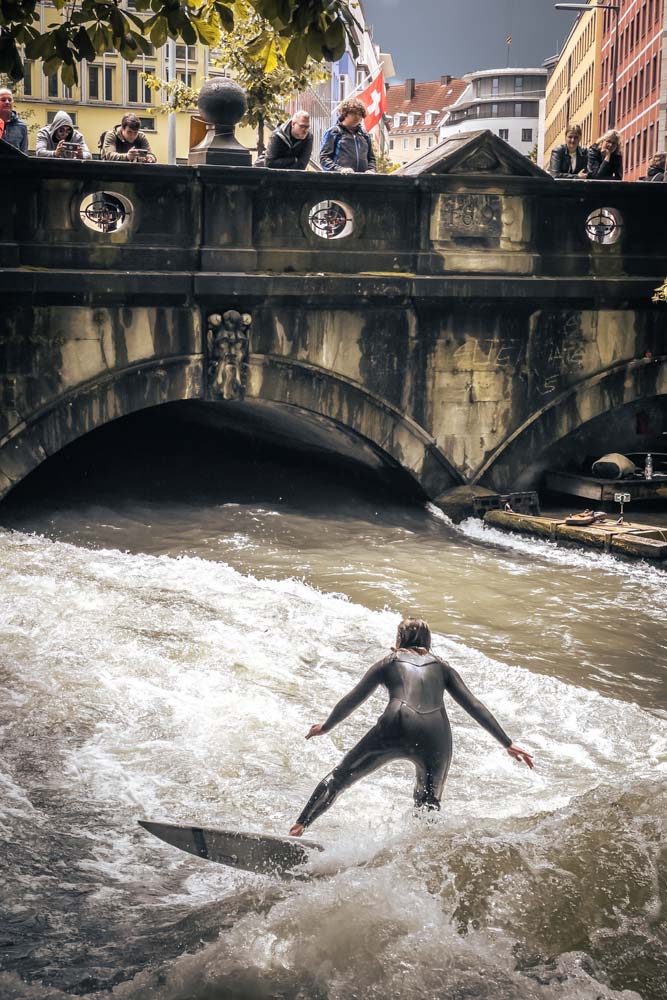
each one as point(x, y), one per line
point(573, 89)
point(109, 87)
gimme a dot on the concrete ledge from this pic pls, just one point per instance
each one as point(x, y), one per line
point(621, 539)
point(527, 524)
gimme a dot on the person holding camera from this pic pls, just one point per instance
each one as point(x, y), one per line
point(61, 140)
point(126, 142)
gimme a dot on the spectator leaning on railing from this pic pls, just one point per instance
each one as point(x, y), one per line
point(347, 147)
point(12, 128)
point(61, 139)
point(290, 145)
point(571, 158)
point(126, 142)
point(605, 162)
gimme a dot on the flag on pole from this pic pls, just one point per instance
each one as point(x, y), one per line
point(375, 99)
point(508, 40)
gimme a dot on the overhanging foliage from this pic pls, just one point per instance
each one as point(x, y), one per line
point(84, 29)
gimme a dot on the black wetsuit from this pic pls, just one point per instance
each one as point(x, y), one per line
point(414, 726)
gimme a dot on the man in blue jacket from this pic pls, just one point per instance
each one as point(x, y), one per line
point(347, 147)
point(12, 128)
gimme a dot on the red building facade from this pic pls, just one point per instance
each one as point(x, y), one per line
point(641, 98)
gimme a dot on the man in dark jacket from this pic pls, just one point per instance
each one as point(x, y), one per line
point(12, 128)
point(570, 159)
point(126, 142)
point(290, 145)
point(347, 147)
point(605, 162)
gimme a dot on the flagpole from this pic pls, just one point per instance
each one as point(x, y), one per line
point(508, 42)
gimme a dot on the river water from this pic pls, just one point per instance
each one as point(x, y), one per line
point(165, 647)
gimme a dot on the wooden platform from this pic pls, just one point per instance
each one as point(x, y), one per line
point(602, 490)
point(624, 539)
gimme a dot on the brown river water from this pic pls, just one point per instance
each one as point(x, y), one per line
point(167, 639)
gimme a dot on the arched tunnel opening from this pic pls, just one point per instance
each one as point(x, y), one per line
point(193, 451)
point(632, 430)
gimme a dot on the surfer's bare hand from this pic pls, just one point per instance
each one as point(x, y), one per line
point(315, 730)
point(518, 753)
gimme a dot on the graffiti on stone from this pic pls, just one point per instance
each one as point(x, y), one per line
point(488, 354)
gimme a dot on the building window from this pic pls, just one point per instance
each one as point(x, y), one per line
point(518, 85)
point(411, 119)
point(494, 86)
point(504, 133)
point(431, 140)
point(526, 135)
point(100, 83)
point(405, 144)
point(186, 78)
point(50, 115)
point(52, 85)
point(137, 91)
point(27, 79)
point(148, 124)
point(188, 52)
point(418, 143)
point(397, 121)
point(391, 144)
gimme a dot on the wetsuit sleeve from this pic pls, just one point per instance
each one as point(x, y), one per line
point(466, 699)
point(356, 696)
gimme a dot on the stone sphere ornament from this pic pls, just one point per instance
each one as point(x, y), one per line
point(222, 104)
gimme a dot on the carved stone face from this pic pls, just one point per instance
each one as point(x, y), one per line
point(215, 319)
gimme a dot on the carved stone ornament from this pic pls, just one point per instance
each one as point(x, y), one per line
point(470, 215)
point(228, 342)
point(482, 161)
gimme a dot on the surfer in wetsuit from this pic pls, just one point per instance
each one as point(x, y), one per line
point(414, 725)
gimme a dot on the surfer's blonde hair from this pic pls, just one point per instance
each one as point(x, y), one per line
point(413, 633)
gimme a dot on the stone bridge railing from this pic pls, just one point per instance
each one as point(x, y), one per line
point(461, 323)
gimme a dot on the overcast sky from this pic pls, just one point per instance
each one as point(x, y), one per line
point(430, 37)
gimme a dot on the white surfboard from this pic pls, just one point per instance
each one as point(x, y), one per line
point(252, 852)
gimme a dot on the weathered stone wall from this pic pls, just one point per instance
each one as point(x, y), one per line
point(463, 326)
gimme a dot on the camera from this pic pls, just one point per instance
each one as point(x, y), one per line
point(69, 150)
point(142, 155)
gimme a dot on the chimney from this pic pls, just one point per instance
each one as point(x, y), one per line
point(445, 80)
point(409, 89)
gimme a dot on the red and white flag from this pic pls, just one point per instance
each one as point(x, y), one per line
point(375, 99)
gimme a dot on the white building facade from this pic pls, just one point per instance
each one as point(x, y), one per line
point(505, 101)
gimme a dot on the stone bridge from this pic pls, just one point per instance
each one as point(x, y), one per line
point(469, 319)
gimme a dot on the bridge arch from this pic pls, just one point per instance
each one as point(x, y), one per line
point(92, 404)
point(302, 386)
point(625, 383)
point(352, 406)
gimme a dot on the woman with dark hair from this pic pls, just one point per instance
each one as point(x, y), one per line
point(414, 725)
point(605, 162)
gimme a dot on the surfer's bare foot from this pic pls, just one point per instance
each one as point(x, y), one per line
point(297, 830)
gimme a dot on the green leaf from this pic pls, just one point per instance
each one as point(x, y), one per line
point(297, 53)
point(159, 33)
point(99, 39)
point(188, 34)
point(208, 33)
point(69, 74)
point(40, 47)
point(84, 45)
point(50, 66)
point(315, 43)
